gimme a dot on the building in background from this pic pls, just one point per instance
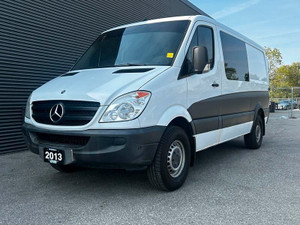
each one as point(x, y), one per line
point(40, 40)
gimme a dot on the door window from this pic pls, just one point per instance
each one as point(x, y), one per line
point(203, 36)
point(187, 66)
point(206, 39)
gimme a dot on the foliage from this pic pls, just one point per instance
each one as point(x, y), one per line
point(282, 77)
point(290, 74)
point(275, 60)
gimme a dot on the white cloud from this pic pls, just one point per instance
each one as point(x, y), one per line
point(234, 9)
point(279, 34)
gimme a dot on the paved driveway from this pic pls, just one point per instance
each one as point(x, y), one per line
point(228, 185)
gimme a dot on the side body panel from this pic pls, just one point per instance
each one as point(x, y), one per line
point(242, 99)
point(229, 112)
point(218, 114)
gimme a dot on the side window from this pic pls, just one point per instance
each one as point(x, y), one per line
point(206, 39)
point(257, 64)
point(235, 58)
point(187, 66)
point(203, 36)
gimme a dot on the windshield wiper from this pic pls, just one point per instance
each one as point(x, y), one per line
point(129, 64)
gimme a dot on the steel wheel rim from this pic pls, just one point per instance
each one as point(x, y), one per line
point(176, 158)
point(258, 132)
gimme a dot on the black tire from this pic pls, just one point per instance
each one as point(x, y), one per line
point(254, 139)
point(66, 168)
point(173, 151)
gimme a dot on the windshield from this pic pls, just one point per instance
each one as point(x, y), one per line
point(148, 44)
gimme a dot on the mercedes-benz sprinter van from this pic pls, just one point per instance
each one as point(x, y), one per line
point(149, 95)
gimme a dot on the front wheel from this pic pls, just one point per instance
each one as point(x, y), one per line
point(170, 167)
point(254, 139)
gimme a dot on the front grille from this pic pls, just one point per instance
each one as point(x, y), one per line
point(75, 113)
point(55, 139)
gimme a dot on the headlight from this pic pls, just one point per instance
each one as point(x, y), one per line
point(126, 107)
point(27, 110)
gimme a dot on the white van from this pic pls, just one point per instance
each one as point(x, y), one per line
point(150, 95)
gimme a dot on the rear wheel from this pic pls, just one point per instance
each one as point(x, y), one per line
point(66, 168)
point(254, 139)
point(172, 160)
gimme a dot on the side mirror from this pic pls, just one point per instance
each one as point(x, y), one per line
point(200, 59)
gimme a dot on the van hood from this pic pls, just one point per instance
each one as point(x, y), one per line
point(101, 84)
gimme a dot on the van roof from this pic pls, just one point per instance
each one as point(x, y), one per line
point(167, 19)
point(193, 19)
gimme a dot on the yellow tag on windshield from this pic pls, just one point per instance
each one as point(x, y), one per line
point(170, 55)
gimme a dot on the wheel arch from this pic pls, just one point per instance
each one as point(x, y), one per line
point(259, 111)
point(190, 131)
point(172, 113)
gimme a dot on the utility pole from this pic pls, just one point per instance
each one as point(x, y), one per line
point(292, 104)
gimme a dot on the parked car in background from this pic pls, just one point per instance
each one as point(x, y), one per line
point(286, 104)
point(295, 105)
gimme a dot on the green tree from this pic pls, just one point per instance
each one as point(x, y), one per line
point(282, 77)
point(275, 60)
point(288, 76)
point(292, 74)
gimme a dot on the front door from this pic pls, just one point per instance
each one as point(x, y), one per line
point(204, 89)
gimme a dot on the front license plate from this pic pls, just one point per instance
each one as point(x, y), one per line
point(54, 156)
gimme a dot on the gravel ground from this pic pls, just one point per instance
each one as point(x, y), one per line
point(228, 185)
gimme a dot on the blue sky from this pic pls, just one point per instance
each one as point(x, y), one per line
point(273, 23)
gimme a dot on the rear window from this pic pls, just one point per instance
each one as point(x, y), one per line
point(257, 64)
point(235, 58)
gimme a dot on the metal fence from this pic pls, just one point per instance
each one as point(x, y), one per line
point(287, 101)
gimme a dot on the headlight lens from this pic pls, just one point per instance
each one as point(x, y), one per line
point(27, 110)
point(126, 107)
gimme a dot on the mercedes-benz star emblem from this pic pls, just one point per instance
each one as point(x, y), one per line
point(56, 113)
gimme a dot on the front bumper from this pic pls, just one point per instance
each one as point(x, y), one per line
point(124, 149)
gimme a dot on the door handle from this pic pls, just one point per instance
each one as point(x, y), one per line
point(214, 84)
